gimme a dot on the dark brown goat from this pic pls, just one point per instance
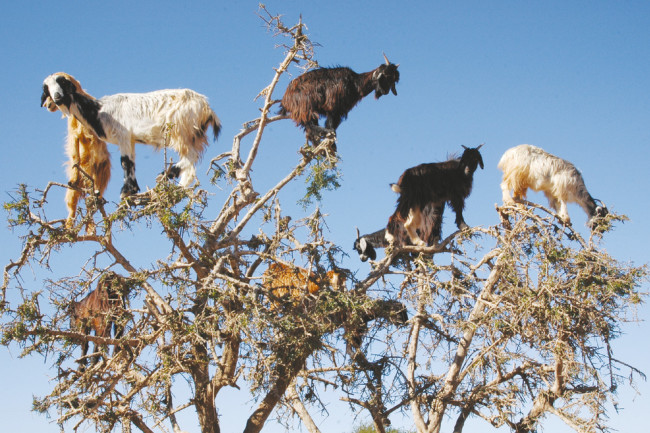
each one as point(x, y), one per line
point(100, 311)
point(333, 92)
point(432, 186)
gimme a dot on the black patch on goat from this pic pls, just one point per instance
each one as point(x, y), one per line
point(130, 186)
point(89, 110)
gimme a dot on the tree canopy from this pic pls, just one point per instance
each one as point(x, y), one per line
point(507, 323)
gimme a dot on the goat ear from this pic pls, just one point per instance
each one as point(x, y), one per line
point(44, 96)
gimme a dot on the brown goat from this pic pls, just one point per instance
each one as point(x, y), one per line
point(99, 311)
point(295, 283)
point(332, 93)
point(89, 163)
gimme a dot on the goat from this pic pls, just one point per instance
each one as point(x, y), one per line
point(100, 311)
point(365, 245)
point(295, 283)
point(333, 92)
point(89, 163)
point(178, 119)
point(428, 187)
point(527, 166)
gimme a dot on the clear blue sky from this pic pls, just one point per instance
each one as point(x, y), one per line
point(571, 77)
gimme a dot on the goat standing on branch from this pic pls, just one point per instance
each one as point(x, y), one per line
point(89, 163)
point(527, 166)
point(365, 245)
point(333, 92)
point(425, 189)
point(178, 119)
point(100, 311)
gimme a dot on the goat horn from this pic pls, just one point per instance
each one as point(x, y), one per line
point(358, 234)
point(479, 146)
point(464, 147)
point(386, 58)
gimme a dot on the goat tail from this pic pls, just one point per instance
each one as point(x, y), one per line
point(213, 121)
point(396, 188)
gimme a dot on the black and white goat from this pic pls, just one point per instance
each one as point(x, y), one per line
point(176, 118)
point(431, 186)
point(365, 245)
point(527, 166)
point(333, 92)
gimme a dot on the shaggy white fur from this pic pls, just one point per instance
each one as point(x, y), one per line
point(527, 166)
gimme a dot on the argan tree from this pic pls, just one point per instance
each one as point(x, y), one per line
point(507, 323)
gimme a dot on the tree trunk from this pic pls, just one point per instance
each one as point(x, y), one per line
point(286, 375)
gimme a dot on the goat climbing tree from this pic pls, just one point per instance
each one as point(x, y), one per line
point(507, 323)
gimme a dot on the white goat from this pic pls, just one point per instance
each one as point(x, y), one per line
point(128, 118)
point(527, 166)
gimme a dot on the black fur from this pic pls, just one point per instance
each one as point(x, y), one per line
point(438, 183)
point(332, 93)
point(45, 94)
point(173, 172)
point(130, 186)
point(89, 110)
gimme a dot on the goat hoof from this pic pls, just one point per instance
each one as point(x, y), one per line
point(129, 188)
point(172, 172)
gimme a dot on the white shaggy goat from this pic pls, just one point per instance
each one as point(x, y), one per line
point(89, 163)
point(527, 166)
point(129, 118)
